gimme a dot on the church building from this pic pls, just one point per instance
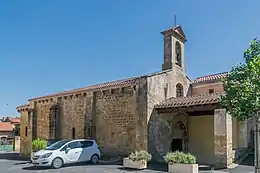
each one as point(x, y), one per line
point(160, 112)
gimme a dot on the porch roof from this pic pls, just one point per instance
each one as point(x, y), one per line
point(190, 101)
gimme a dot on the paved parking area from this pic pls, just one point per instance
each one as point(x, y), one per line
point(11, 164)
point(7, 166)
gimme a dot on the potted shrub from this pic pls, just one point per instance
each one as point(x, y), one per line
point(137, 160)
point(180, 162)
point(37, 145)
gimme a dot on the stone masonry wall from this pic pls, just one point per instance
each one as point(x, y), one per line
point(116, 120)
point(141, 114)
point(161, 86)
point(25, 140)
point(42, 113)
point(117, 116)
point(222, 138)
point(73, 111)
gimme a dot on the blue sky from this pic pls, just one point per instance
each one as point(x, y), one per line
point(49, 46)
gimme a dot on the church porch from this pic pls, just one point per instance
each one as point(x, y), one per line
point(197, 125)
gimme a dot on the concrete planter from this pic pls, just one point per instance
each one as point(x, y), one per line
point(135, 165)
point(183, 168)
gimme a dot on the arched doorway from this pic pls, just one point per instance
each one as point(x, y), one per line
point(179, 137)
point(177, 145)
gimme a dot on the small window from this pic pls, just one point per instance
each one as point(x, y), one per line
point(26, 131)
point(86, 144)
point(211, 91)
point(73, 133)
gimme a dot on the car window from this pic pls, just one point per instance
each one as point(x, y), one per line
point(57, 145)
point(75, 144)
point(64, 148)
point(86, 144)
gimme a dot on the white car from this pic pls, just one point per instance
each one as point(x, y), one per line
point(67, 151)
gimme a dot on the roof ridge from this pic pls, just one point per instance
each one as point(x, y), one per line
point(190, 100)
point(90, 87)
point(200, 95)
point(98, 85)
point(211, 75)
point(210, 78)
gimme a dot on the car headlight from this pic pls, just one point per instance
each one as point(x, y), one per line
point(46, 155)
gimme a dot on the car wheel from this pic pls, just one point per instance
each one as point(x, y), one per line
point(95, 159)
point(57, 163)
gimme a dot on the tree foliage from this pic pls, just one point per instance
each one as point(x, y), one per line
point(242, 85)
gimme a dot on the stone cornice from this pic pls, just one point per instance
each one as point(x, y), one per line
point(23, 108)
point(88, 90)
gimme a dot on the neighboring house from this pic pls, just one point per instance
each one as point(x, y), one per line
point(2, 119)
point(15, 121)
point(160, 112)
point(6, 130)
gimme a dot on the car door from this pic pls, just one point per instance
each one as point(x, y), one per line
point(87, 150)
point(73, 151)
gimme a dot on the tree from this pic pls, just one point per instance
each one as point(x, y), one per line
point(242, 90)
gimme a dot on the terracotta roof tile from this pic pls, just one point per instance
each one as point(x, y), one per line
point(117, 83)
point(190, 101)
point(14, 120)
point(210, 78)
point(6, 127)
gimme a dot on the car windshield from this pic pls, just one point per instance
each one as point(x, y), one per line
point(57, 145)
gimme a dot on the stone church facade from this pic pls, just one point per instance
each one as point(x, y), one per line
point(160, 112)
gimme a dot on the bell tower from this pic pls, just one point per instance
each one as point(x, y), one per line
point(174, 44)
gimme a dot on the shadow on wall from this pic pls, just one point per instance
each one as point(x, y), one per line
point(153, 147)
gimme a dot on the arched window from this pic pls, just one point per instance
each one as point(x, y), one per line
point(178, 54)
point(179, 90)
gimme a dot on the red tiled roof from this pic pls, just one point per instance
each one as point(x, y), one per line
point(6, 127)
point(190, 101)
point(117, 83)
point(14, 120)
point(210, 78)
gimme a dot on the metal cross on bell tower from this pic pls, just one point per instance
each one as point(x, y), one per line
point(174, 20)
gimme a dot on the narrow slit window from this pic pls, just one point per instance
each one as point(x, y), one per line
point(85, 132)
point(26, 131)
point(73, 133)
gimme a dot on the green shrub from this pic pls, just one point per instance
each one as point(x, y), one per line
point(38, 144)
point(140, 156)
point(179, 157)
